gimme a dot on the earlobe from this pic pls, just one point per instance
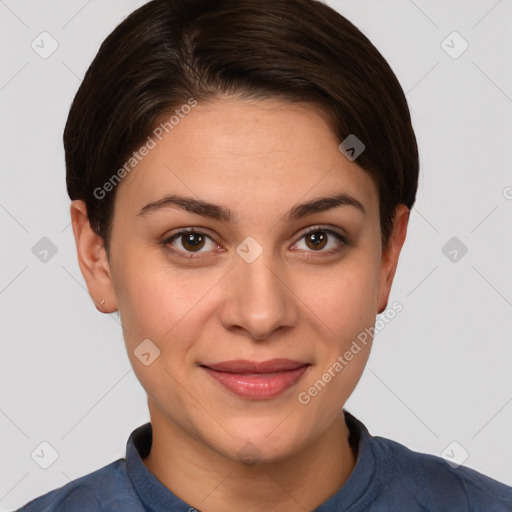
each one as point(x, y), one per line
point(92, 259)
point(391, 254)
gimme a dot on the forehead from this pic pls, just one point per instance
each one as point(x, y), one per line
point(247, 153)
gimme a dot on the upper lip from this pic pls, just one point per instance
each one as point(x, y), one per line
point(246, 366)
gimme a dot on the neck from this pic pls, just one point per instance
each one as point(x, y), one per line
point(210, 481)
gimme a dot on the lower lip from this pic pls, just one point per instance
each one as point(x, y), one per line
point(262, 386)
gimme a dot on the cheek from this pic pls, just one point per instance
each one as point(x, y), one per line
point(158, 302)
point(346, 296)
point(155, 307)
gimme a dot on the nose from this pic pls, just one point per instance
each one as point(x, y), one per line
point(258, 298)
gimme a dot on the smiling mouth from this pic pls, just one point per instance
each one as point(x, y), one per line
point(257, 380)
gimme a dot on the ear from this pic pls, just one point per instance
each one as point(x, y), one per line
point(92, 259)
point(389, 260)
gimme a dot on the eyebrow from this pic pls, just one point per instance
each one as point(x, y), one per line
point(222, 213)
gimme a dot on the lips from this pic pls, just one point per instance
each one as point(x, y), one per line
point(257, 380)
point(242, 366)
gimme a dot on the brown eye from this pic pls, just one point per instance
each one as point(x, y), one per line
point(192, 241)
point(318, 239)
point(188, 243)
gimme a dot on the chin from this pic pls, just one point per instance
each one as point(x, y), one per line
point(266, 442)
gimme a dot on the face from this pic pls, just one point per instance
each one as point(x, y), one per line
point(270, 281)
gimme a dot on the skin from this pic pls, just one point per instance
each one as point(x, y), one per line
point(297, 301)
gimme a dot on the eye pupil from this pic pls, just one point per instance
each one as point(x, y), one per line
point(318, 238)
point(189, 241)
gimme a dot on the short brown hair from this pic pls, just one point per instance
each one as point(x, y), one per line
point(168, 51)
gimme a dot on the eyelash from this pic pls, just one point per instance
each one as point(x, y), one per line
point(165, 243)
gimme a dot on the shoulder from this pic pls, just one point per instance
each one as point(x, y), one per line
point(106, 489)
point(429, 481)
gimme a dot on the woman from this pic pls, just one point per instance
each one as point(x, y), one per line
point(241, 175)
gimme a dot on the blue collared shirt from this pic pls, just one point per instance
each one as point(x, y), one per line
point(387, 477)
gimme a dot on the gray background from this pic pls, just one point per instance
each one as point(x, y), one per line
point(439, 372)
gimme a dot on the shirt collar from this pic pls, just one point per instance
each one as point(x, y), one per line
point(155, 496)
point(363, 484)
point(158, 498)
